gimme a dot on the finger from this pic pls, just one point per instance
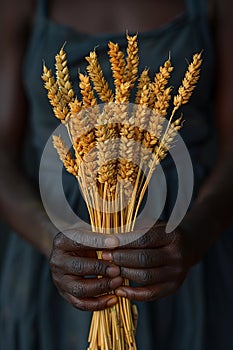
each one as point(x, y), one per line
point(92, 304)
point(148, 293)
point(84, 240)
point(150, 276)
point(155, 237)
point(136, 258)
point(81, 266)
point(88, 287)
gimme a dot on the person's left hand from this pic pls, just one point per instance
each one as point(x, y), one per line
point(157, 261)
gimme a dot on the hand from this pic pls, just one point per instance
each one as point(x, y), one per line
point(157, 261)
point(71, 263)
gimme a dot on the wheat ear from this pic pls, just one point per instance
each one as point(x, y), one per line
point(158, 88)
point(143, 80)
point(184, 93)
point(142, 117)
point(132, 60)
point(88, 96)
point(157, 118)
point(107, 158)
point(186, 89)
point(63, 78)
point(86, 142)
point(118, 65)
point(65, 155)
point(162, 77)
point(75, 121)
point(121, 112)
point(161, 151)
point(96, 74)
point(61, 111)
point(160, 97)
point(189, 82)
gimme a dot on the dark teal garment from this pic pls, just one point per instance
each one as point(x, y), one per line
point(199, 316)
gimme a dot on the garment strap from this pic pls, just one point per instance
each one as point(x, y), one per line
point(197, 7)
point(42, 7)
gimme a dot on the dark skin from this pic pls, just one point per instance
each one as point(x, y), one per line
point(110, 16)
point(159, 261)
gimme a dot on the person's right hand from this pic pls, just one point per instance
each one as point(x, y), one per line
point(75, 272)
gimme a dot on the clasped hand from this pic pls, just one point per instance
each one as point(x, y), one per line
point(157, 261)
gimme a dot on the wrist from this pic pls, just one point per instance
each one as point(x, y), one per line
point(196, 242)
point(201, 228)
point(49, 233)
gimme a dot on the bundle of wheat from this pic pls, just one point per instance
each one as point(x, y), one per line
point(109, 169)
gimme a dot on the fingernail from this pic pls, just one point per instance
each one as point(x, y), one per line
point(107, 256)
point(120, 293)
point(116, 282)
point(111, 242)
point(113, 271)
point(112, 301)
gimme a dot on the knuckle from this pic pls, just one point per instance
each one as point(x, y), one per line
point(104, 286)
point(53, 262)
point(129, 273)
point(59, 280)
point(58, 240)
point(118, 257)
point(56, 280)
point(144, 259)
point(78, 290)
point(99, 267)
point(77, 266)
point(145, 277)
